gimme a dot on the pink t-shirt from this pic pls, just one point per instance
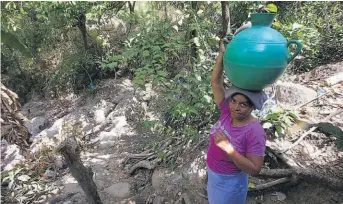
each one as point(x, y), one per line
point(249, 139)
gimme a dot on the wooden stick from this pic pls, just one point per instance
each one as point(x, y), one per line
point(270, 184)
point(311, 130)
point(276, 173)
point(304, 104)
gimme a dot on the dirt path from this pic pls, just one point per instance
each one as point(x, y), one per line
point(111, 122)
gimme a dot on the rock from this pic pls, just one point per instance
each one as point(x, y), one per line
point(166, 181)
point(146, 97)
point(334, 79)
point(104, 108)
point(119, 190)
point(10, 156)
point(159, 200)
point(37, 124)
point(99, 116)
point(290, 94)
point(67, 202)
point(278, 196)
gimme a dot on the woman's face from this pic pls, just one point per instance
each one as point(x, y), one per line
point(240, 107)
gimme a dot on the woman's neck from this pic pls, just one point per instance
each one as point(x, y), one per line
point(242, 122)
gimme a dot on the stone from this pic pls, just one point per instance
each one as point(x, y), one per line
point(289, 94)
point(119, 190)
point(99, 116)
point(278, 196)
point(159, 200)
point(103, 110)
point(37, 124)
point(166, 181)
point(10, 156)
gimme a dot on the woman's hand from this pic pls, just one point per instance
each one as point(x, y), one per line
point(222, 46)
point(223, 143)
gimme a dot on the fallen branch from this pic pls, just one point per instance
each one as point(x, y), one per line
point(276, 173)
point(286, 159)
point(308, 175)
point(270, 184)
point(304, 104)
point(311, 130)
point(70, 150)
point(143, 164)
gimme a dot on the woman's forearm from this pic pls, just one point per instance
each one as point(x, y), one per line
point(217, 73)
point(242, 162)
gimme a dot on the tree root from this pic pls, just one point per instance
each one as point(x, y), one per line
point(308, 175)
point(143, 164)
point(272, 183)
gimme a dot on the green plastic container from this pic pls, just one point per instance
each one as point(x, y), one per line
point(256, 57)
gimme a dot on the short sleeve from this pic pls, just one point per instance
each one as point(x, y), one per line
point(256, 143)
point(224, 108)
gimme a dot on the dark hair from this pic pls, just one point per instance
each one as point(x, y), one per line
point(246, 97)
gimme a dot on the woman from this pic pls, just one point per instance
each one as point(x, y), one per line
point(237, 140)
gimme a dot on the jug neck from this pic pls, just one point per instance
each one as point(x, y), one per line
point(262, 19)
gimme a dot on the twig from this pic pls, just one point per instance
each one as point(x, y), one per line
point(196, 146)
point(300, 139)
point(311, 130)
point(270, 184)
point(202, 195)
point(304, 104)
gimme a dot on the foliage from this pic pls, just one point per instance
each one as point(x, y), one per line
point(332, 131)
point(42, 30)
point(73, 73)
point(320, 33)
point(160, 53)
point(278, 120)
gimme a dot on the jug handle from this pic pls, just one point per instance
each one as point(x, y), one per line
point(229, 37)
point(296, 52)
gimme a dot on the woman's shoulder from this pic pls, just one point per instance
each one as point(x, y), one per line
point(256, 129)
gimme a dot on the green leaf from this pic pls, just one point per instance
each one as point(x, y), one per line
point(112, 65)
point(208, 98)
point(22, 10)
point(196, 41)
point(146, 53)
point(272, 116)
point(13, 42)
point(293, 115)
point(279, 129)
point(277, 24)
point(267, 125)
point(251, 185)
point(272, 8)
point(287, 120)
point(176, 28)
point(162, 73)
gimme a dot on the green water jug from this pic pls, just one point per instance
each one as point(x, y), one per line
point(256, 57)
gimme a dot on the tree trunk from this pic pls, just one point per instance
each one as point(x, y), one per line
point(194, 33)
point(225, 19)
point(82, 27)
point(84, 176)
point(132, 7)
point(166, 10)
